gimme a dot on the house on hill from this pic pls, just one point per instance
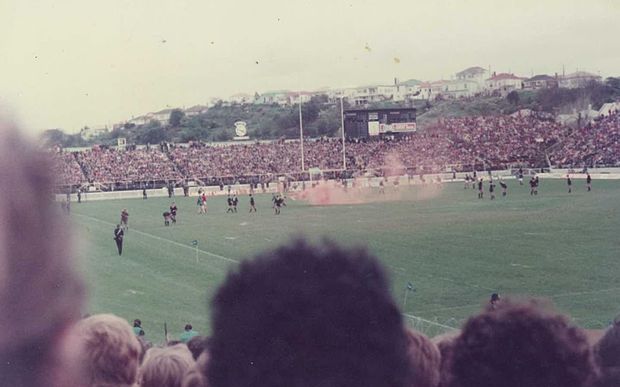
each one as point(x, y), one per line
point(578, 79)
point(476, 74)
point(503, 83)
point(241, 98)
point(540, 82)
point(162, 116)
point(280, 97)
point(195, 110)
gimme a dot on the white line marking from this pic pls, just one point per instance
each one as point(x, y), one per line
point(583, 293)
point(429, 321)
point(223, 258)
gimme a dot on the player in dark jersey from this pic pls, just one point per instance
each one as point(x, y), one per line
point(536, 184)
point(504, 186)
point(520, 176)
point(480, 189)
point(252, 204)
point(492, 189)
point(589, 182)
point(124, 220)
point(173, 212)
point(569, 183)
point(277, 204)
point(118, 238)
point(532, 186)
point(235, 201)
point(166, 218)
point(230, 204)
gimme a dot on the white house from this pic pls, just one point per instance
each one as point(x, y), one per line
point(141, 120)
point(162, 116)
point(476, 74)
point(280, 97)
point(462, 88)
point(241, 98)
point(578, 79)
point(295, 97)
point(503, 83)
point(88, 133)
point(195, 110)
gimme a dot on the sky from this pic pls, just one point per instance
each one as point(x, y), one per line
point(70, 63)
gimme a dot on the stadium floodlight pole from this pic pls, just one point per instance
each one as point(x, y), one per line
point(344, 154)
point(301, 136)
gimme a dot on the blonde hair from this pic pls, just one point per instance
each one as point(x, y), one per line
point(40, 293)
point(110, 349)
point(194, 377)
point(165, 367)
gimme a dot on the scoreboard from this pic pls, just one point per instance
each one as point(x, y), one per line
point(362, 123)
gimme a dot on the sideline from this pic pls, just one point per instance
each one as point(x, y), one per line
point(221, 257)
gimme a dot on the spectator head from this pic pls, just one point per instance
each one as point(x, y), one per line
point(520, 344)
point(35, 248)
point(607, 355)
point(425, 360)
point(607, 349)
point(137, 323)
point(188, 327)
point(165, 367)
point(307, 316)
point(197, 345)
point(194, 376)
point(110, 350)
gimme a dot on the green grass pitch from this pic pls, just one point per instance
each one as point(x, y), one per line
point(454, 248)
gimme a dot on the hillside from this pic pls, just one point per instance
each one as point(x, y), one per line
point(322, 118)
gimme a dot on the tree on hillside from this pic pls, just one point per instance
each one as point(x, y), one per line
point(151, 133)
point(53, 136)
point(176, 115)
point(513, 97)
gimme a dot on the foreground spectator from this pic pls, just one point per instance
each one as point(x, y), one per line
point(607, 355)
point(194, 376)
point(425, 360)
point(307, 316)
point(165, 367)
point(40, 294)
point(520, 345)
point(110, 349)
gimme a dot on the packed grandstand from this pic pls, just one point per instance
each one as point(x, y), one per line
point(454, 144)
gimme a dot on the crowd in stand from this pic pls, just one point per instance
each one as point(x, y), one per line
point(301, 315)
point(67, 169)
point(111, 165)
point(459, 143)
point(503, 140)
point(597, 143)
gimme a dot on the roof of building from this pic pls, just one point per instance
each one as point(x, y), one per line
point(411, 82)
point(471, 70)
point(165, 111)
point(502, 76)
point(581, 74)
point(540, 77)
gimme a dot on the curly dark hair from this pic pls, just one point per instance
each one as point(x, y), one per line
point(520, 344)
point(307, 316)
point(607, 355)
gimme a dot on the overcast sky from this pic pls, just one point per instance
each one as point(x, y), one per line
point(69, 63)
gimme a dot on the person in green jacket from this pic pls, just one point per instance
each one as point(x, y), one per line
point(188, 334)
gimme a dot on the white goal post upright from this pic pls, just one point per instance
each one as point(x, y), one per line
point(301, 137)
point(344, 154)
